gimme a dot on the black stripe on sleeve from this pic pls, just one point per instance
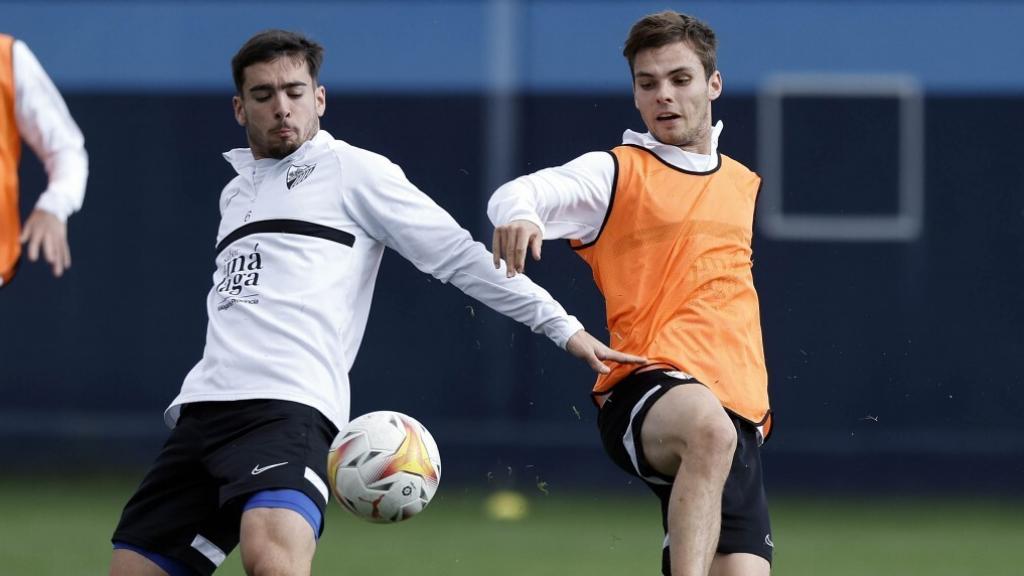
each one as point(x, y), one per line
point(299, 227)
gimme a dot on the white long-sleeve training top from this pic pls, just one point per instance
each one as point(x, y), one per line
point(49, 130)
point(570, 201)
point(298, 249)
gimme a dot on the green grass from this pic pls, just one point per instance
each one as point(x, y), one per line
point(51, 528)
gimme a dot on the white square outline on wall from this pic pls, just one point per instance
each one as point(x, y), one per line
point(903, 226)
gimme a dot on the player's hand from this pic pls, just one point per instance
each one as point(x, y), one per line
point(592, 351)
point(510, 243)
point(46, 233)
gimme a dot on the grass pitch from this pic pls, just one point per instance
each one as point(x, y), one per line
point(50, 527)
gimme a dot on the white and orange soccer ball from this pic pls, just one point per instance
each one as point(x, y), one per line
point(384, 467)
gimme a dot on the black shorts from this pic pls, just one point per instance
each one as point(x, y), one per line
point(189, 505)
point(745, 523)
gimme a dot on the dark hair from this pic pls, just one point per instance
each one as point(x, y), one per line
point(270, 45)
point(669, 27)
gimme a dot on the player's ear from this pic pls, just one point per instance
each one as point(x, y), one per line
point(239, 106)
point(715, 85)
point(320, 97)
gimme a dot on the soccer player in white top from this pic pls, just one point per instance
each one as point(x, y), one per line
point(304, 225)
point(38, 115)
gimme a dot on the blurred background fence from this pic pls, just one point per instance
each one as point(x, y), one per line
point(888, 255)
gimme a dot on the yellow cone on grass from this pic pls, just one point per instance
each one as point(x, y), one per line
point(507, 505)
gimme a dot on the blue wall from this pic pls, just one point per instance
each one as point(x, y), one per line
point(893, 365)
point(453, 46)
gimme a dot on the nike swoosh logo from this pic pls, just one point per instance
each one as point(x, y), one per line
point(257, 470)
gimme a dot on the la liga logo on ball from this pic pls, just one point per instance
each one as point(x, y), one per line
point(384, 467)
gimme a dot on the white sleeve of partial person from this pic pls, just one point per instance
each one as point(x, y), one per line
point(394, 211)
point(49, 130)
point(567, 201)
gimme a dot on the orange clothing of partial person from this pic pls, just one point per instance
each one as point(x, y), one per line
point(10, 154)
point(673, 262)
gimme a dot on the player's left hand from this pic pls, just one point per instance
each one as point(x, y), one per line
point(592, 351)
point(45, 232)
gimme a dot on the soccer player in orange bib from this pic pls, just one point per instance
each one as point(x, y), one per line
point(665, 222)
point(32, 109)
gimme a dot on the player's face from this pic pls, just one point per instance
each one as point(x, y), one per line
point(674, 95)
point(280, 106)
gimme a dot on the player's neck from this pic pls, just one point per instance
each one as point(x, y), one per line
point(703, 148)
point(700, 145)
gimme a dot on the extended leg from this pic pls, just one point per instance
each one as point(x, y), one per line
point(688, 435)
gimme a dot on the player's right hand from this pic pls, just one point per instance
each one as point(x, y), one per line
point(510, 243)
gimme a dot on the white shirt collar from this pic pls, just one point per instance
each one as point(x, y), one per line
point(689, 161)
point(241, 159)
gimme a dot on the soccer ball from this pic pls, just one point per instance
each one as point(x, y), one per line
point(384, 467)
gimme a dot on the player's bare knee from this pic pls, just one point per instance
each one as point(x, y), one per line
point(712, 442)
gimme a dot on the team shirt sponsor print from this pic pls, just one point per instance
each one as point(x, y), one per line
point(241, 278)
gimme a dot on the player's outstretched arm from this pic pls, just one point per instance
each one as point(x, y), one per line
point(382, 201)
point(46, 125)
point(592, 351)
point(511, 242)
point(569, 201)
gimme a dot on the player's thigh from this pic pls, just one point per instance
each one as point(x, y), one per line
point(276, 537)
point(739, 565)
point(686, 420)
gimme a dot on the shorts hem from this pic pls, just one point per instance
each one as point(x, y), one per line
point(740, 549)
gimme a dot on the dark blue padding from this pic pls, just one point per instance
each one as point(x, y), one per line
point(290, 499)
point(169, 565)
